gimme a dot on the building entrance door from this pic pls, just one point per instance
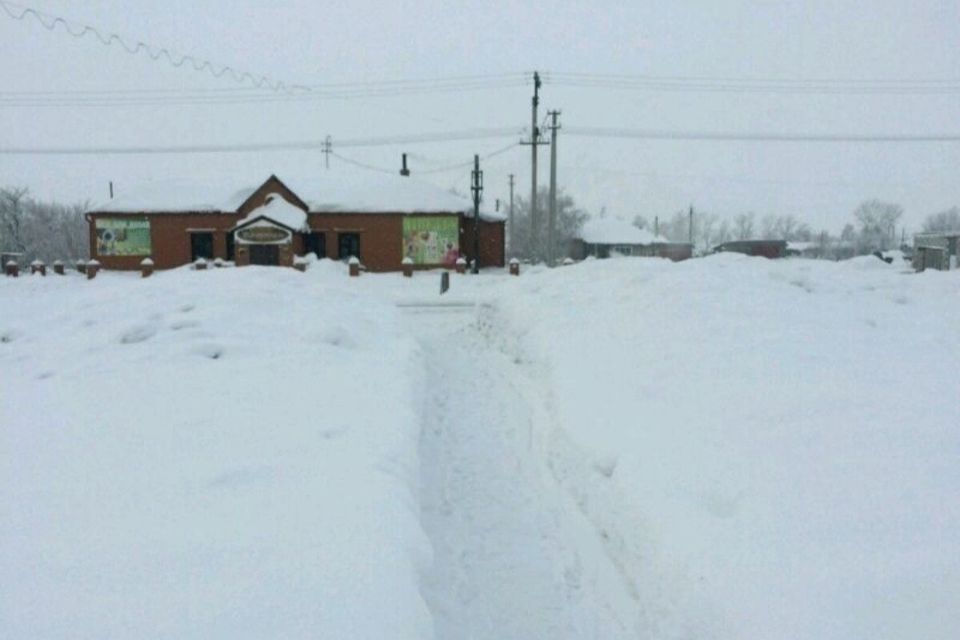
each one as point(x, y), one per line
point(265, 254)
point(201, 246)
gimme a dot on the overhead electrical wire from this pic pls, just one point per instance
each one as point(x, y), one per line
point(307, 145)
point(452, 167)
point(158, 97)
point(818, 86)
point(155, 53)
point(601, 132)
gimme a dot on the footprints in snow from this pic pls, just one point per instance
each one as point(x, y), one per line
point(143, 332)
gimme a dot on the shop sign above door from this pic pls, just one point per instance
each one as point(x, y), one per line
point(263, 235)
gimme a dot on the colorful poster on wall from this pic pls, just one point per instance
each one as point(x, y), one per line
point(123, 237)
point(431, 239)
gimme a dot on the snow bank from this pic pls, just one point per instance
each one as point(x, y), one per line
point(768, 449)
point(219, 454)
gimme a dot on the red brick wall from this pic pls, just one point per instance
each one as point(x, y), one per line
point(169, 238)
point(381, 236)
point(491, 242)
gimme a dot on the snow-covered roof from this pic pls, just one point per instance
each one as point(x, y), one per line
point(278, 210)
point(616, 231)
point(324, 192)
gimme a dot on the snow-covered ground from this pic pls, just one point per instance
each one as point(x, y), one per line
point(728, 447)
point(222, 454)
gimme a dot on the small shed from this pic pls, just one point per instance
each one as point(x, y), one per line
point(936, 250)
point(603, 237)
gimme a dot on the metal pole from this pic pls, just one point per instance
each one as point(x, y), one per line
point(510, 224)
point(534, 138)
point(477, 188)
point(552, 222)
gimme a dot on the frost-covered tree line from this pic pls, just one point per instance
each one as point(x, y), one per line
point(875, 227)
point(570, 219)
point(710, 230)
point(41, 230)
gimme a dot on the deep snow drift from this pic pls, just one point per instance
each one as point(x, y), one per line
point(770, 449)
point(728, 447)
point(225, 454)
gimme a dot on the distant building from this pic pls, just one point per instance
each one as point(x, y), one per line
point(764, 248)
point(333, 215)
point(936, 250)
point(603, 237)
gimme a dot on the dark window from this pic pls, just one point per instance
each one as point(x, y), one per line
point(265, 254)
point(229, 243)
point(348, 244)
point(315, 243)
point(201, 246)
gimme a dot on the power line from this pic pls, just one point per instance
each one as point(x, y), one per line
point(361, 165)
point(159, 97)
point(155, 53)
point(307, 145)
point(452, 167)
point(756, 85)
point(601, 132)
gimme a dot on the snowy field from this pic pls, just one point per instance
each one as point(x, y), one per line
point(726, 448)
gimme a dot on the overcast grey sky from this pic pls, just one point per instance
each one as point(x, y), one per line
point(360, 41)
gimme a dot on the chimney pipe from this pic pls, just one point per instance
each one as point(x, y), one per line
point(403, 170)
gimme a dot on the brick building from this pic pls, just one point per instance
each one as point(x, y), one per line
point(332, 216)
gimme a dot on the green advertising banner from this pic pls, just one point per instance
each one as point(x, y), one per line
point(123, 237)
point(431, 239)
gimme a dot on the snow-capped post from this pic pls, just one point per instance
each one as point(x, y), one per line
point(200, 264)
point(354, 263)
point(38, 266)
point(58, 267)
point(300, 264)
point(514, 267)
point(461, 265)
point(407, 267)
point(92, 267)
point(12, 269)
point(81, 266)
point(218, 263)
point(146, 268)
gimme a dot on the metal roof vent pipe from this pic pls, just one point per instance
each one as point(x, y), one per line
point(404, 171)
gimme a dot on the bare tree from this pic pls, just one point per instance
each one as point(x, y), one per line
point(948, 220)
point(44, 230)
point(743, 226)
point(878, 223)
point(13, 213)
point(570, 219)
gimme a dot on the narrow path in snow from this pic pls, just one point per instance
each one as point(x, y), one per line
point(507, 560)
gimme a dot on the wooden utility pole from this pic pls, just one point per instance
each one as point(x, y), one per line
point(327, 149)
point(534, 244)
point(510, 229)
point(477, 188)
point(552, 221)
